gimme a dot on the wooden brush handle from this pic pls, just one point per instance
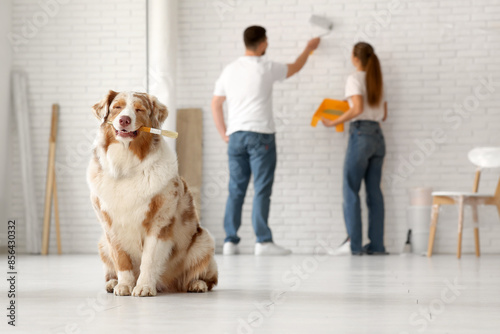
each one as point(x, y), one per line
point(166, 133)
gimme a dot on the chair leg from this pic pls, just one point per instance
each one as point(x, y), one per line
point(475, 218)
point(432, 234)
point(460, 225)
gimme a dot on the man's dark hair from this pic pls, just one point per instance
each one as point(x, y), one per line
point(253, 36)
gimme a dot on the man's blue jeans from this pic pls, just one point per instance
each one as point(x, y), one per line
point(364, 159)
point(250, 152)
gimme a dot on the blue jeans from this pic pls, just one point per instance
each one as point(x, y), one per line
point(364, 159)
point(250, 152)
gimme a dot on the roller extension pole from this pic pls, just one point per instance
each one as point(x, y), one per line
point(49, 188)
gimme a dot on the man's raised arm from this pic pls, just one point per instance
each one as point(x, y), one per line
point(301, 60)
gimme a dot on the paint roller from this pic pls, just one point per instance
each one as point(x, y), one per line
point(323, 23)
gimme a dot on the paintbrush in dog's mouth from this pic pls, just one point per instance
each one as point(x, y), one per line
point(133, 134)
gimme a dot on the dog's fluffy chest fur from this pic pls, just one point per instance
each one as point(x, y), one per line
point(125, 185)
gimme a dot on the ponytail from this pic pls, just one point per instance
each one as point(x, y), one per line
point(374, 83)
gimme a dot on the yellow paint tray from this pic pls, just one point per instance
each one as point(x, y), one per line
point(330, 109)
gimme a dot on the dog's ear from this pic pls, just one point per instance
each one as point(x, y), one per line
point(101, 108)
point(159, 110)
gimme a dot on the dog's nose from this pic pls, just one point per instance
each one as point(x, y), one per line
point(125, 120)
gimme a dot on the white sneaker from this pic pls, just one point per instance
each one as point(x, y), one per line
point(230, 248)
point(344, 249)
point(270, 248)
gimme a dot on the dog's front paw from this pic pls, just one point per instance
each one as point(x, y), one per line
point(110, 285)
point(144, 290)
point(197, 286)
point(122, 289)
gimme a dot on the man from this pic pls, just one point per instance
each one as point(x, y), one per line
point(247, 85)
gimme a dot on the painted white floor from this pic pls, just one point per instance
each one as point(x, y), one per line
point(65, 294)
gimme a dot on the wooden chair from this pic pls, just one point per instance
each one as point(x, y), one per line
point(485, 157)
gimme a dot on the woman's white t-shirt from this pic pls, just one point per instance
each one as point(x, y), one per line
point(356, 85)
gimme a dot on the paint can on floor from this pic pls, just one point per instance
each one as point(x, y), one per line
point(418, 218)
point(421, 196)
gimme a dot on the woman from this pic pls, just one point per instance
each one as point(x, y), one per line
point(365, 152)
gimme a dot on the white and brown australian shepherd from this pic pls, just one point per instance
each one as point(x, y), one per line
point(152, 238)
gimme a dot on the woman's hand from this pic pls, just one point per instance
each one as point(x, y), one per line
point(328, 123)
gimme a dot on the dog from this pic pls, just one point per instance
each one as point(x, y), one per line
point(152, 240)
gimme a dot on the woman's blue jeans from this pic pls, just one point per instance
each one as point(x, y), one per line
point(364, 159)
point(250, 153)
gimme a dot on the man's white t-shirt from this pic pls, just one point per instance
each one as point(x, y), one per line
point(247, 84)
point(356, 85)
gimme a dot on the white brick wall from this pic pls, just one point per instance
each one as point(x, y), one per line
point(433, 55)
point(5, 63)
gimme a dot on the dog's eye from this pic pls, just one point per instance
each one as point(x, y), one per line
point(139, 110)
point(117, 107)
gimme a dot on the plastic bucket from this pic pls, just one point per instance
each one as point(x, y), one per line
point(421, 196)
